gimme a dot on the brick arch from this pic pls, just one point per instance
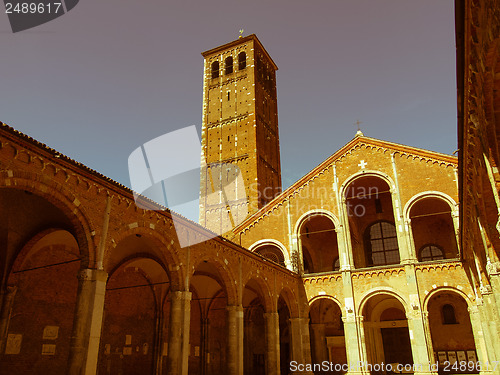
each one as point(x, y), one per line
point(368, 173)
point(269, 241)
point(226, 278)
point(25, 252)
point(291, 301)
point(58, 195)
point(265, 292)
point(165, 254)
point(300, 221)
point(381, 290)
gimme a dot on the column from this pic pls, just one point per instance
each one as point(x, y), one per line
point(235, 340)
point(272, 343)
point(300, 343)
point(87, 323)
point(420, 347)
point(7, 299)
point(204, 350)
point(319, 342)
point(178, 333)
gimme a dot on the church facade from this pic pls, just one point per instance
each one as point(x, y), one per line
point(369, 260)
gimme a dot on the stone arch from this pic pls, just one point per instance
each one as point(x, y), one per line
point(380, 290)
point(261, 243)
point(165, 252)
point(59, 196)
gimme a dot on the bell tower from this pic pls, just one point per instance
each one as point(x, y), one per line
point(239, 129)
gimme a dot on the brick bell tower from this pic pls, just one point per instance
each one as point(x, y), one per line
point(239, 129)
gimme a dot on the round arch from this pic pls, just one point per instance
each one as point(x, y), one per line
point(165, 253)
point(429, 194)
point(59, 196)
point(226, 278)
point(265, 291)
point(290, 299)
point(444, 289)
point(300, 221)
point(377, 291)
point(269, 241)
point(367, 173)
point(328, 297)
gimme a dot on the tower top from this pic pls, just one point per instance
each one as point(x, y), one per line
point(244, 39)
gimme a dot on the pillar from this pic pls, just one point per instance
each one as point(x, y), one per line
point(178, 333)
point(300, 343)
point(7, 298)
point(419, 342)
point(319, 342)
point(235, 340)
point(87, 322)
point(204, 350)
point(272, 343)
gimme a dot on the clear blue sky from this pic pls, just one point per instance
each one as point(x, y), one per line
point(110, 75)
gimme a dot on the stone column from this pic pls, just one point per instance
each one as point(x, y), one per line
point(272, 343)
point(420, 347)
point(235, 340)
point(7, 298)
point(354, 343)
point(475, 320)
point(178, 333)
point(87, 322)
point(319, 342)
point(204, 349)
point(300, 343)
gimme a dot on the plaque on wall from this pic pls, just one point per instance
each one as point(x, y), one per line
point(165, 349)
point(50, 332)
point(196, 351)
point(107, 349)
point(471, 356)
point(461, 356)
point(13, 345)
point(452, 357)
point(127, 350)
point(442, 358)
point(128, 339)
point(48, 349)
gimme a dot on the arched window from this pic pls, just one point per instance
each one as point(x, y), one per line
point(242, 60)
point(215, 69)
point(449, 314)
point(229, 65)
point(430, 252)
point(336, 264)
point(382, 244)
point(271, 252)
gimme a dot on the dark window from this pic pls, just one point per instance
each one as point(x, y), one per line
point(242, 61)
point(430, 252)
point(382, 244)
point(215, 69)
point(229, 65)
point(449, 314)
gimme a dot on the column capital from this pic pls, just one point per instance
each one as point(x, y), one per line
point(181, 295)
point(90, 274)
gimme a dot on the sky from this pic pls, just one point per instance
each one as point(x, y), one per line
point(108, 76)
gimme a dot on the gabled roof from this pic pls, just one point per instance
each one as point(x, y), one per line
point(356, 141)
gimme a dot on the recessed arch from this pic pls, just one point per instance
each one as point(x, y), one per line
point(441, 289)
point(57, 195)
point(429, 194)
point(289, 297)
point(300, 221)
point(261, 244)
point(366, 173)
point(326, 296)
point(380, 290)
point(142, 240)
